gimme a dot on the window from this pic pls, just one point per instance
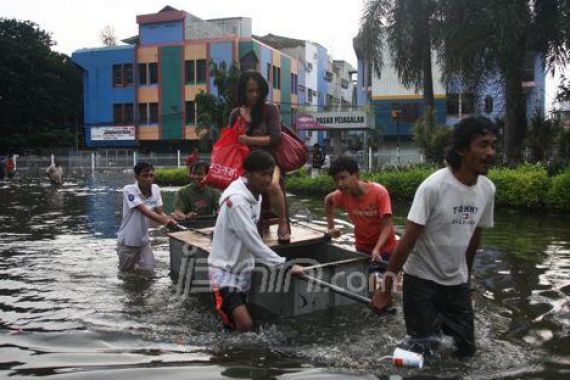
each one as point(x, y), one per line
point(269, 72)
point(142, 74)
point(344, 83)
point(128, 74)
point(201, 71)
point(148, 74)
point(488, 104)
point(467, 102)
point(123, 114)
point(189, 67)
point(190, 113)
point(328, 76)
point(330, 102)
point(294, 84)
point(309, 67)
point(153, 108)
point(153, 73)
point(143, 114)
point(528, 67)
point(122, 75)
point(276, 77)
point(309, 95)
point(248, 62)
point(117, 75)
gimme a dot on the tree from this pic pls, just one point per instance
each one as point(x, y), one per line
point(542, 137)
point(485, 37)
point(214, 110)
point(409, 28)
point(108, 36)
point(563, 94)
point(432, 140)
point(40, 90)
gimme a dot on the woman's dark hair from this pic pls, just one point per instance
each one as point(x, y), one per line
point(343, 163)
point(258, 160)
point(462, 135)
point(142, 166)
point(199, 165)
point(257, 111)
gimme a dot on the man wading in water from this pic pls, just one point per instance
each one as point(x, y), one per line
point(441, 237)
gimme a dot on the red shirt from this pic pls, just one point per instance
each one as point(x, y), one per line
point(191, 159)
point(10, 165)
point(366, 213)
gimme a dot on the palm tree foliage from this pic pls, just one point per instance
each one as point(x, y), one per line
point(213, 110)
point(485, 37)
point(474, 40)
point(408, 29)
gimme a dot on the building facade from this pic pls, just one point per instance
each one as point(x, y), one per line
point(324, 84)
point(385, 94)
point(144, 92)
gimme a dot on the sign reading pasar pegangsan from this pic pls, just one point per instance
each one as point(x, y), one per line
point(332, 120)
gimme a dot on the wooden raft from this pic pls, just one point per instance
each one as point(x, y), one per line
point(201, 238)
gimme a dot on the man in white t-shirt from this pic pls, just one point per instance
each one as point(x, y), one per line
point(142, 203)
point(441, 237)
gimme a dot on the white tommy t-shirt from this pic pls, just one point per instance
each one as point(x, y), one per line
point(134, 226)
point(449, 211)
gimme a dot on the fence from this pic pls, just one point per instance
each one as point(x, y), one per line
point(117, 159)
point(103, 160)
point(392, 156)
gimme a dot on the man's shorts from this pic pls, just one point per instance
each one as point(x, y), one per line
point(140, 258)
point(431, 308)
point(226, 301)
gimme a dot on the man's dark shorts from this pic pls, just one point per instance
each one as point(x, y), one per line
point(226, 300)
point(431, 308)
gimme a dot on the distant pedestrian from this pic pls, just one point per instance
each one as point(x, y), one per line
point(192, 158)
point(55, 174)
point(318, 159)
point(10, 167)
point(3, 160)
point(142, 203)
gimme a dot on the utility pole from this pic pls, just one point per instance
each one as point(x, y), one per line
point(396, 111)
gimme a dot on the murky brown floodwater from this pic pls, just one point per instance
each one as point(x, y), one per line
point(64, 313)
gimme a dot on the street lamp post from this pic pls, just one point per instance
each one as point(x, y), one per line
point(396, 111)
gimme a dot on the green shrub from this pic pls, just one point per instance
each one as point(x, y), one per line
point(401, 184)
point(522, 187)
point(432, 139)
point(558, 196)
point(318, 186)
point(172, 177)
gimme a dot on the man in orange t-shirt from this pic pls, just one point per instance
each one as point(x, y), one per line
point(369, 208)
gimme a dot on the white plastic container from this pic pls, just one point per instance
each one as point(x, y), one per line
point(403, 358)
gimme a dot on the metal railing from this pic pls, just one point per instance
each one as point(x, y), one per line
point(101, 160)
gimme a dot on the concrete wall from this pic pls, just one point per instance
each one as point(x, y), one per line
point(161, 33)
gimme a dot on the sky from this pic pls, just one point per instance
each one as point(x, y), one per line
point(76, 24)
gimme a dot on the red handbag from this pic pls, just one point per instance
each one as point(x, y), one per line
point(291, 153)
point(228, 155)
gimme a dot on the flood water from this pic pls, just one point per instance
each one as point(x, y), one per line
point(65, 314)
